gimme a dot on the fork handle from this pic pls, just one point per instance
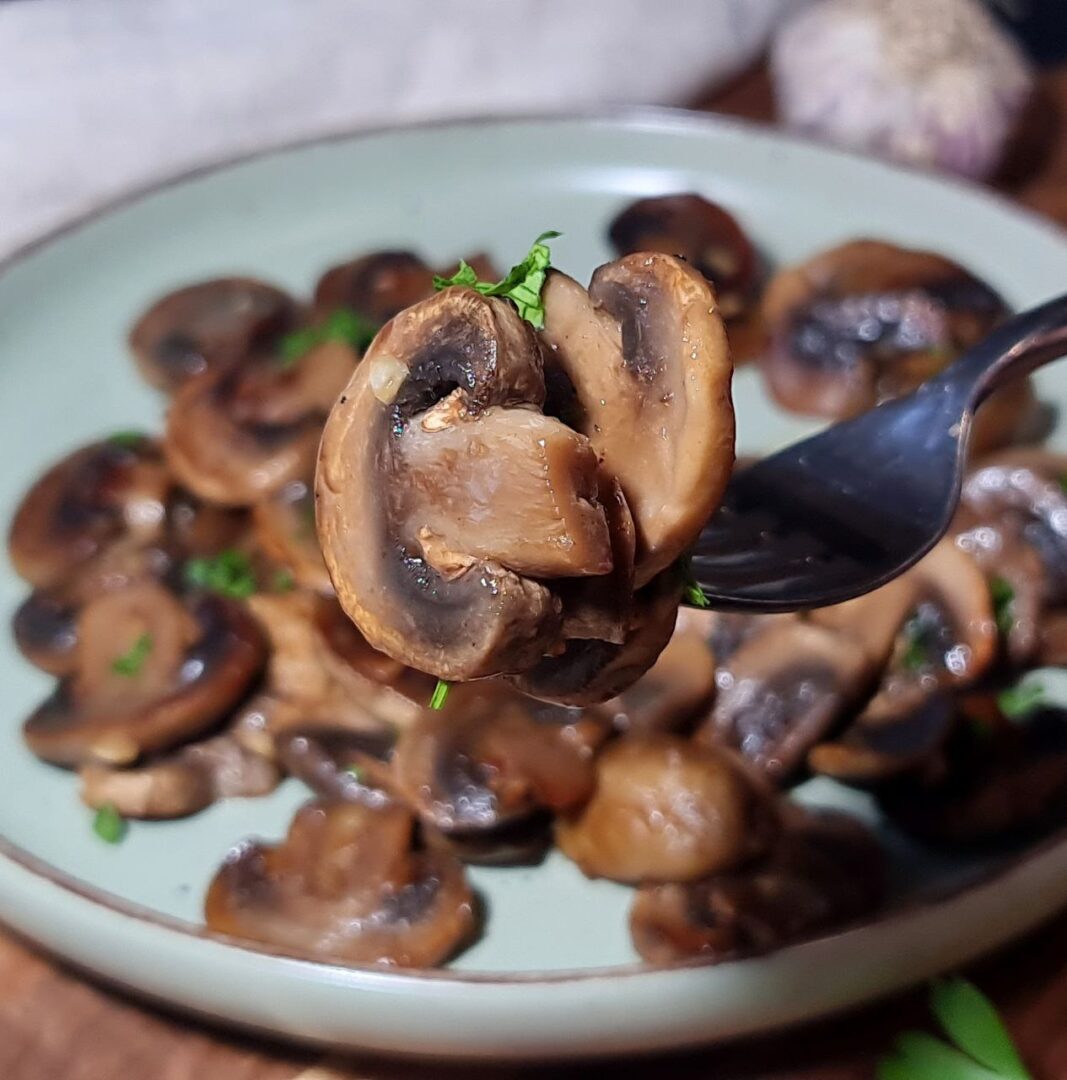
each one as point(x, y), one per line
point(1015, 348)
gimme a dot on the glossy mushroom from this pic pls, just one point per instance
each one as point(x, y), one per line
point(207, 326)
point(868, 321)
point(825, 870)
point(341, 763)
point(152, 671)
point(346, 885)
point(237, 437)
point(665, 809)
point(285, 530)
point(783, 691)
point(378, 286)
point(641, 360)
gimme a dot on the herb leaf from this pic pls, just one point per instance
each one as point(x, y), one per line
point(916, 652)
point(920, 1056)
point(692, 593)
point(109, 824)
point(440, 694)
point(522, 285)
point(356, 772)
point(972, 1023)
point(1003, 597)
point(343, 325)
point(282, 581)
point(229, 573)
point(130, 663)
point(127, 440)
point(1019, 701)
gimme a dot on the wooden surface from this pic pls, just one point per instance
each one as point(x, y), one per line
point(55, 1026)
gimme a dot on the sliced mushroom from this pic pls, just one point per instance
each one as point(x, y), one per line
point(181, 784)
point(340, 763)
point(868, 321)
point(378, 286)
point(491, 758)
point(206, 327)
point(447, 360)
point(641, 360)
point(672, 692)
point(240, 436)
point(783, 691)
point(152, 672)
point(346, 885)
point(108, 493)
point(665, 809)
point(701, 232)
point(826, 870)
point(285, 529)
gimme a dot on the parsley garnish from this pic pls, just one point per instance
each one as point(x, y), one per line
point(1003, 597)
point(282, 581)
point(440, 694)
point(692, 593)
point(1063, 481)
point(981, 1047)
point(126, 440)
point(130, 663)
point(522, 285)
point(916, 652)
point(356, 772)
point(229, 573)
point(109, 824)
point(1018, 702)
point(344, 325)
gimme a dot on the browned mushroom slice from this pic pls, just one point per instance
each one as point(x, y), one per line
point(378, 286)
point(701, 232)
point(340, 763)
point(867, 321)
point(1052, 641)
point(457, 355)
point(152, 671)
point(181, 784)
point(346, 886)
point(238, 437)
point(590, 671)
point(782, 692)
point(490, 758)
point(826, 870)
point(285, 529)
point(665, 809)
point(196, 529)
point(110, 492)
point(641, 360)
point(207, 326)
point(672, 692)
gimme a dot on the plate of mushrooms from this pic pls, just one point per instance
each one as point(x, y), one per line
point(357, 690)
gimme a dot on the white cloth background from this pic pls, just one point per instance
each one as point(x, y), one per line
point(98, 96)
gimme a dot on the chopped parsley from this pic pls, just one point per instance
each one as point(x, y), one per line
point(1003, 597)
point(1019, 701)
point(343, 325)
point(915, 654)
point(130, 663)
point(109, 824)
point(1063, 481)
point(229, 573)
point(126, 440)
point(282, 581)
point(692, 593)
point(522, 285)
point(980, 1049)
point(356, 772)
point(440, 694)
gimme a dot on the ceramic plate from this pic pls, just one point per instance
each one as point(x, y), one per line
point(555, 974)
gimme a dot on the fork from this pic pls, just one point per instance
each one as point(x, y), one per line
point(849, 509)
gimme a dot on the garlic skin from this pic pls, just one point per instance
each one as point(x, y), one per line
point(929, 82)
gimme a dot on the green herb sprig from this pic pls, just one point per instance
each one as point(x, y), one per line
point(981, 1048)
point(440, 695)
point(344, 325)
point(127, 440)
point(130, 663)
point(692, 593)
point(1003, 597)
point(229, 573)
point(109, 824)
point(522, 285)
point(1020, 701)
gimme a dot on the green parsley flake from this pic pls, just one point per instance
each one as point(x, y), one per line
point(440, 694)
point(229, 573)
point(344, 325)
point(1003, 597)
point(282, 581)
point(522, 285)
point(126, 440)
point(129, 664)
point(109, 824)
point(1018, 702)
point(692, 593)
point(1063, 481)
point(915, 654)
point(981, 1047)
point(356, 772)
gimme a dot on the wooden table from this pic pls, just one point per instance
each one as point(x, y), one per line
point(54, 1026)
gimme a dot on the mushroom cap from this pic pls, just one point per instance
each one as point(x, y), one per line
point(471, 618)
point(285, 530)
point(346, 886)
point(207, 326)
point(341, 763)
point(199, 658)
point(237, 437)
point(378, 286)
point(643, 361)
point(666, 809)
point(106, 493)
point(825, 870)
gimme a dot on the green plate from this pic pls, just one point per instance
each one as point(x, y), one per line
point(555, 973)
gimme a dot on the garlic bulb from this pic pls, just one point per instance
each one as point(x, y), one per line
point(931, 82)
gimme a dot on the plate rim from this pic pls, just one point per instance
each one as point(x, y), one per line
point(648, 120)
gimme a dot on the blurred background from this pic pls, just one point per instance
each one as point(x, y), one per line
point(101, 96)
